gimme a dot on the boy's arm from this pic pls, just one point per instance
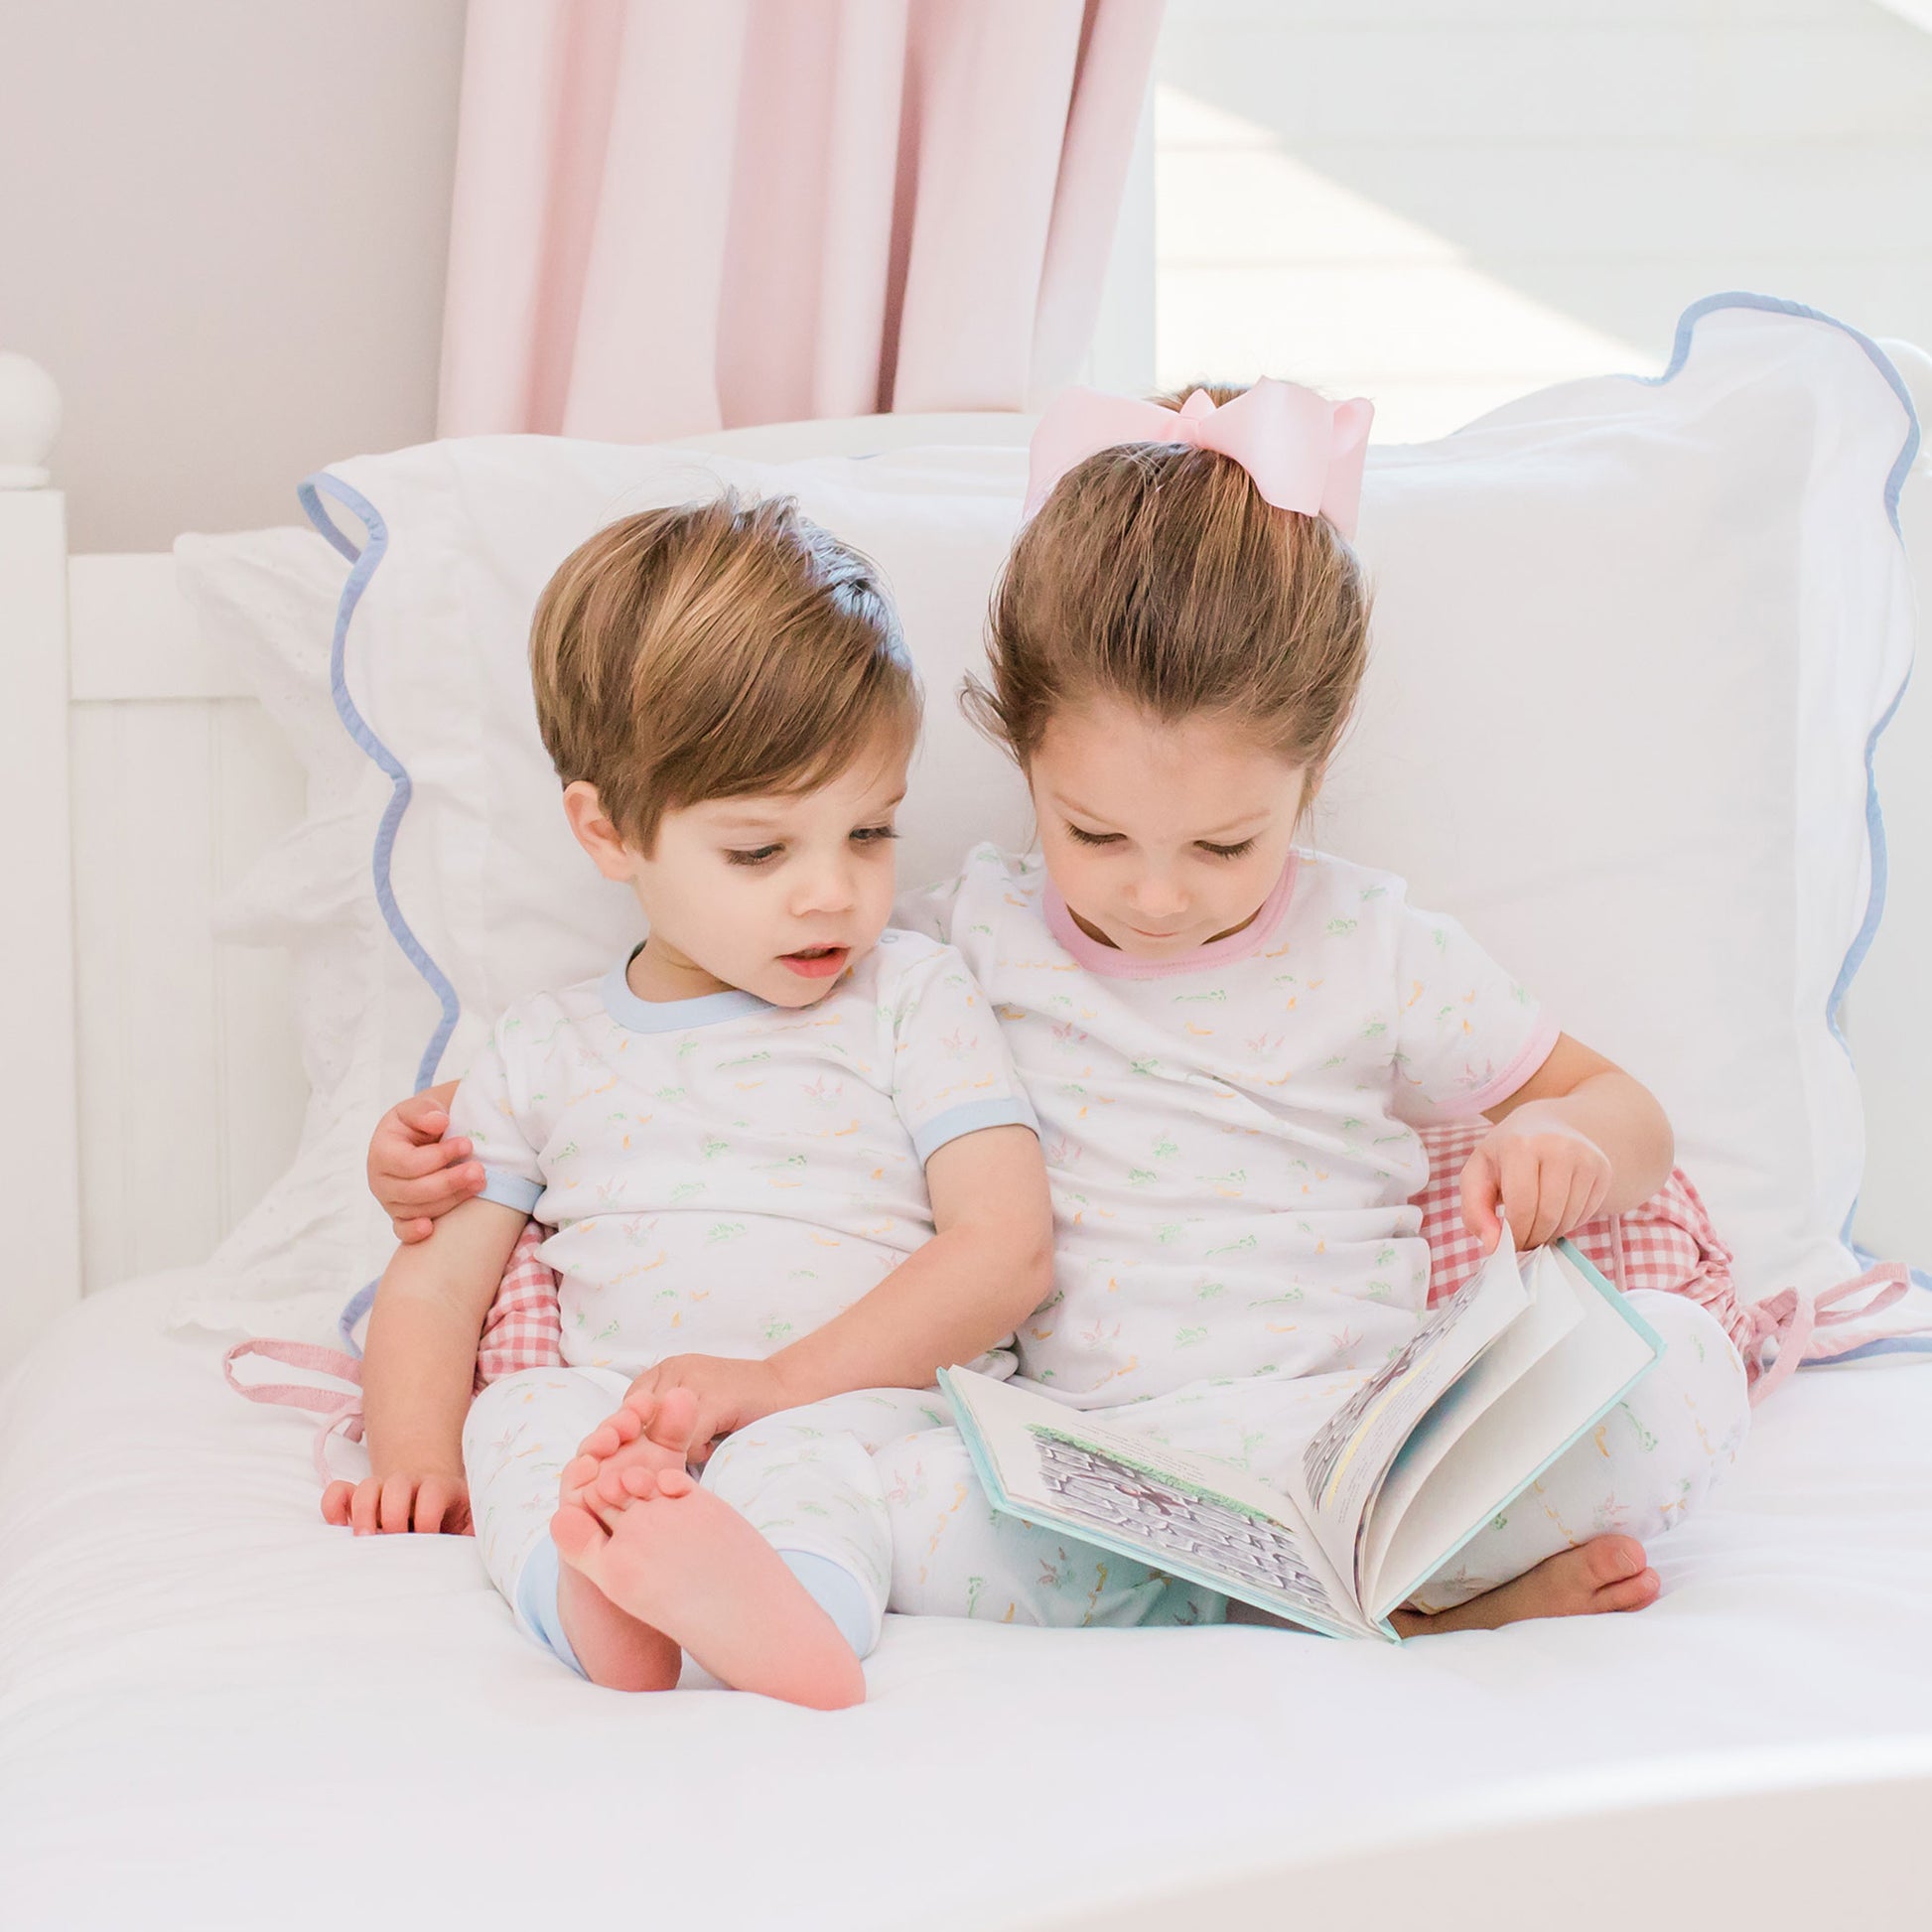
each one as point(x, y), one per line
point(418, 1372)
point(988, 1266)
point(1578, 1138)
point(415, 1172)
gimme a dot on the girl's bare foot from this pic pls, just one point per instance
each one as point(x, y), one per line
point(1606, 1573)
point(615, 1649)
point(679, 1561)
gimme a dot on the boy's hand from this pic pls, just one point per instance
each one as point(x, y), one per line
point(731, 1394)
point(1548, 1176)
point(436, 1500)
point(415, 1174)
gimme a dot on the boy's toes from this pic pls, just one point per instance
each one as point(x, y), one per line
point(612, 1433)
point(579, 1538)
point(675, 1420)
point(674, 1482)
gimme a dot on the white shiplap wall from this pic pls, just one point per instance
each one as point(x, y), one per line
point(190, 1071)
point(1446, 204)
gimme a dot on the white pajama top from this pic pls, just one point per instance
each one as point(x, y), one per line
point(1230, 1133)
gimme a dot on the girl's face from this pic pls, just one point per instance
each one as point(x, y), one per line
point(1161, 836)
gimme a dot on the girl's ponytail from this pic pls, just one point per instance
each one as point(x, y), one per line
point(1157, 575)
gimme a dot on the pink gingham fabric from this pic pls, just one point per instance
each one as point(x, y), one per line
point(523, 1329)
point(1667, 1244)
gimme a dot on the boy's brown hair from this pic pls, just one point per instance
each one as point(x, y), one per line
point(1154, 574)
point(713, 650)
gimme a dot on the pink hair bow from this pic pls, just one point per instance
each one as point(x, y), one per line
point(1304, 451)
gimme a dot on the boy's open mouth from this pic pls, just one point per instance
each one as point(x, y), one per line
point(817, 962)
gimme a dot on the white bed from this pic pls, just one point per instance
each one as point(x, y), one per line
point(216, 1714)
point(213, 1712)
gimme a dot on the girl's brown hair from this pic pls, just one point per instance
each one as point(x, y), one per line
point(713, 650)
point(1154, 574)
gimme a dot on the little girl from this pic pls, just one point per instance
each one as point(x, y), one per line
point(1229, 1042)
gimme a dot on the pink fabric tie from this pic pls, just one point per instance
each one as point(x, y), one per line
point(341, 1409)
point(1304, 451)
point(1791, 1322)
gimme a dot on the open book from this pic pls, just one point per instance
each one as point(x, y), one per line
point(1526, 1357)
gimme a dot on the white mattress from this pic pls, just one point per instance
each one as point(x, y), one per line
point(214, 1710)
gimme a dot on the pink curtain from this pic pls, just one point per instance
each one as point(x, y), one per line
point(678, 216)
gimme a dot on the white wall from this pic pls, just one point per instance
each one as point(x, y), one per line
point(223, 222)
point(1445, 202)
point(223, 230)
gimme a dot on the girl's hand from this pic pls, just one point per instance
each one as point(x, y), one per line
point(436, 1500)
point(732, 1394)
point(1548, 1176)
point(415, 1174)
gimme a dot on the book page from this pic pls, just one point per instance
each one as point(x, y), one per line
point(1345, 1460)
point(1553, 1311)
point(1191, 1515)
point(1507, 1447)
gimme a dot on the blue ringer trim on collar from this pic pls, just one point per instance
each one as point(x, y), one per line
point(672, 1016)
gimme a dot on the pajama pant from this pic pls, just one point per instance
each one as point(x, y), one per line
point(875, 1489)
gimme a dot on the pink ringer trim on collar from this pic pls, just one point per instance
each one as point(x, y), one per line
point(1111, 963)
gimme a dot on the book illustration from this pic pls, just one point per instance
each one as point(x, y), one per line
point(1485, 1394)
point(1336, 1447)
point(1191, 1524)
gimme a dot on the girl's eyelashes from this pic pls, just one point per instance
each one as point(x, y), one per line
point(874, 834)
point(1080, 837)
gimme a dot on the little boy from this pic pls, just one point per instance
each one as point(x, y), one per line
point(774, 1133)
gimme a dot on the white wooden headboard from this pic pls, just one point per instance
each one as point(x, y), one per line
point(154, 1086)
point(155, 1081)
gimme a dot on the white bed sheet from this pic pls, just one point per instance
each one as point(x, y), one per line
point(214, 1710)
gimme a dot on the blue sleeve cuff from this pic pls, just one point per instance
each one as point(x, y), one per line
point(510, 1190)
point(1009, 1110)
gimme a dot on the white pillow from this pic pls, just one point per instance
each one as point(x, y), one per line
point(1632, 645)
point(489, 891)
point(1632, 641)
point(267, 599)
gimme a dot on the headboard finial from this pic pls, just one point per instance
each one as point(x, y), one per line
point(29, 420)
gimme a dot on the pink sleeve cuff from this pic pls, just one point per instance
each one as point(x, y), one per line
point(1500, 1085)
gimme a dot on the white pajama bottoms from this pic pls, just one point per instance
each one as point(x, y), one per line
point(841, 1483)
point(878, 1485)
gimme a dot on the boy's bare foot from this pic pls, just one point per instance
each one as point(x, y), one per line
point(679, 1561)
point(615, 1649)
point(1606, 1573)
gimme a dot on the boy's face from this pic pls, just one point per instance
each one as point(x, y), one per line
point(774, 896)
